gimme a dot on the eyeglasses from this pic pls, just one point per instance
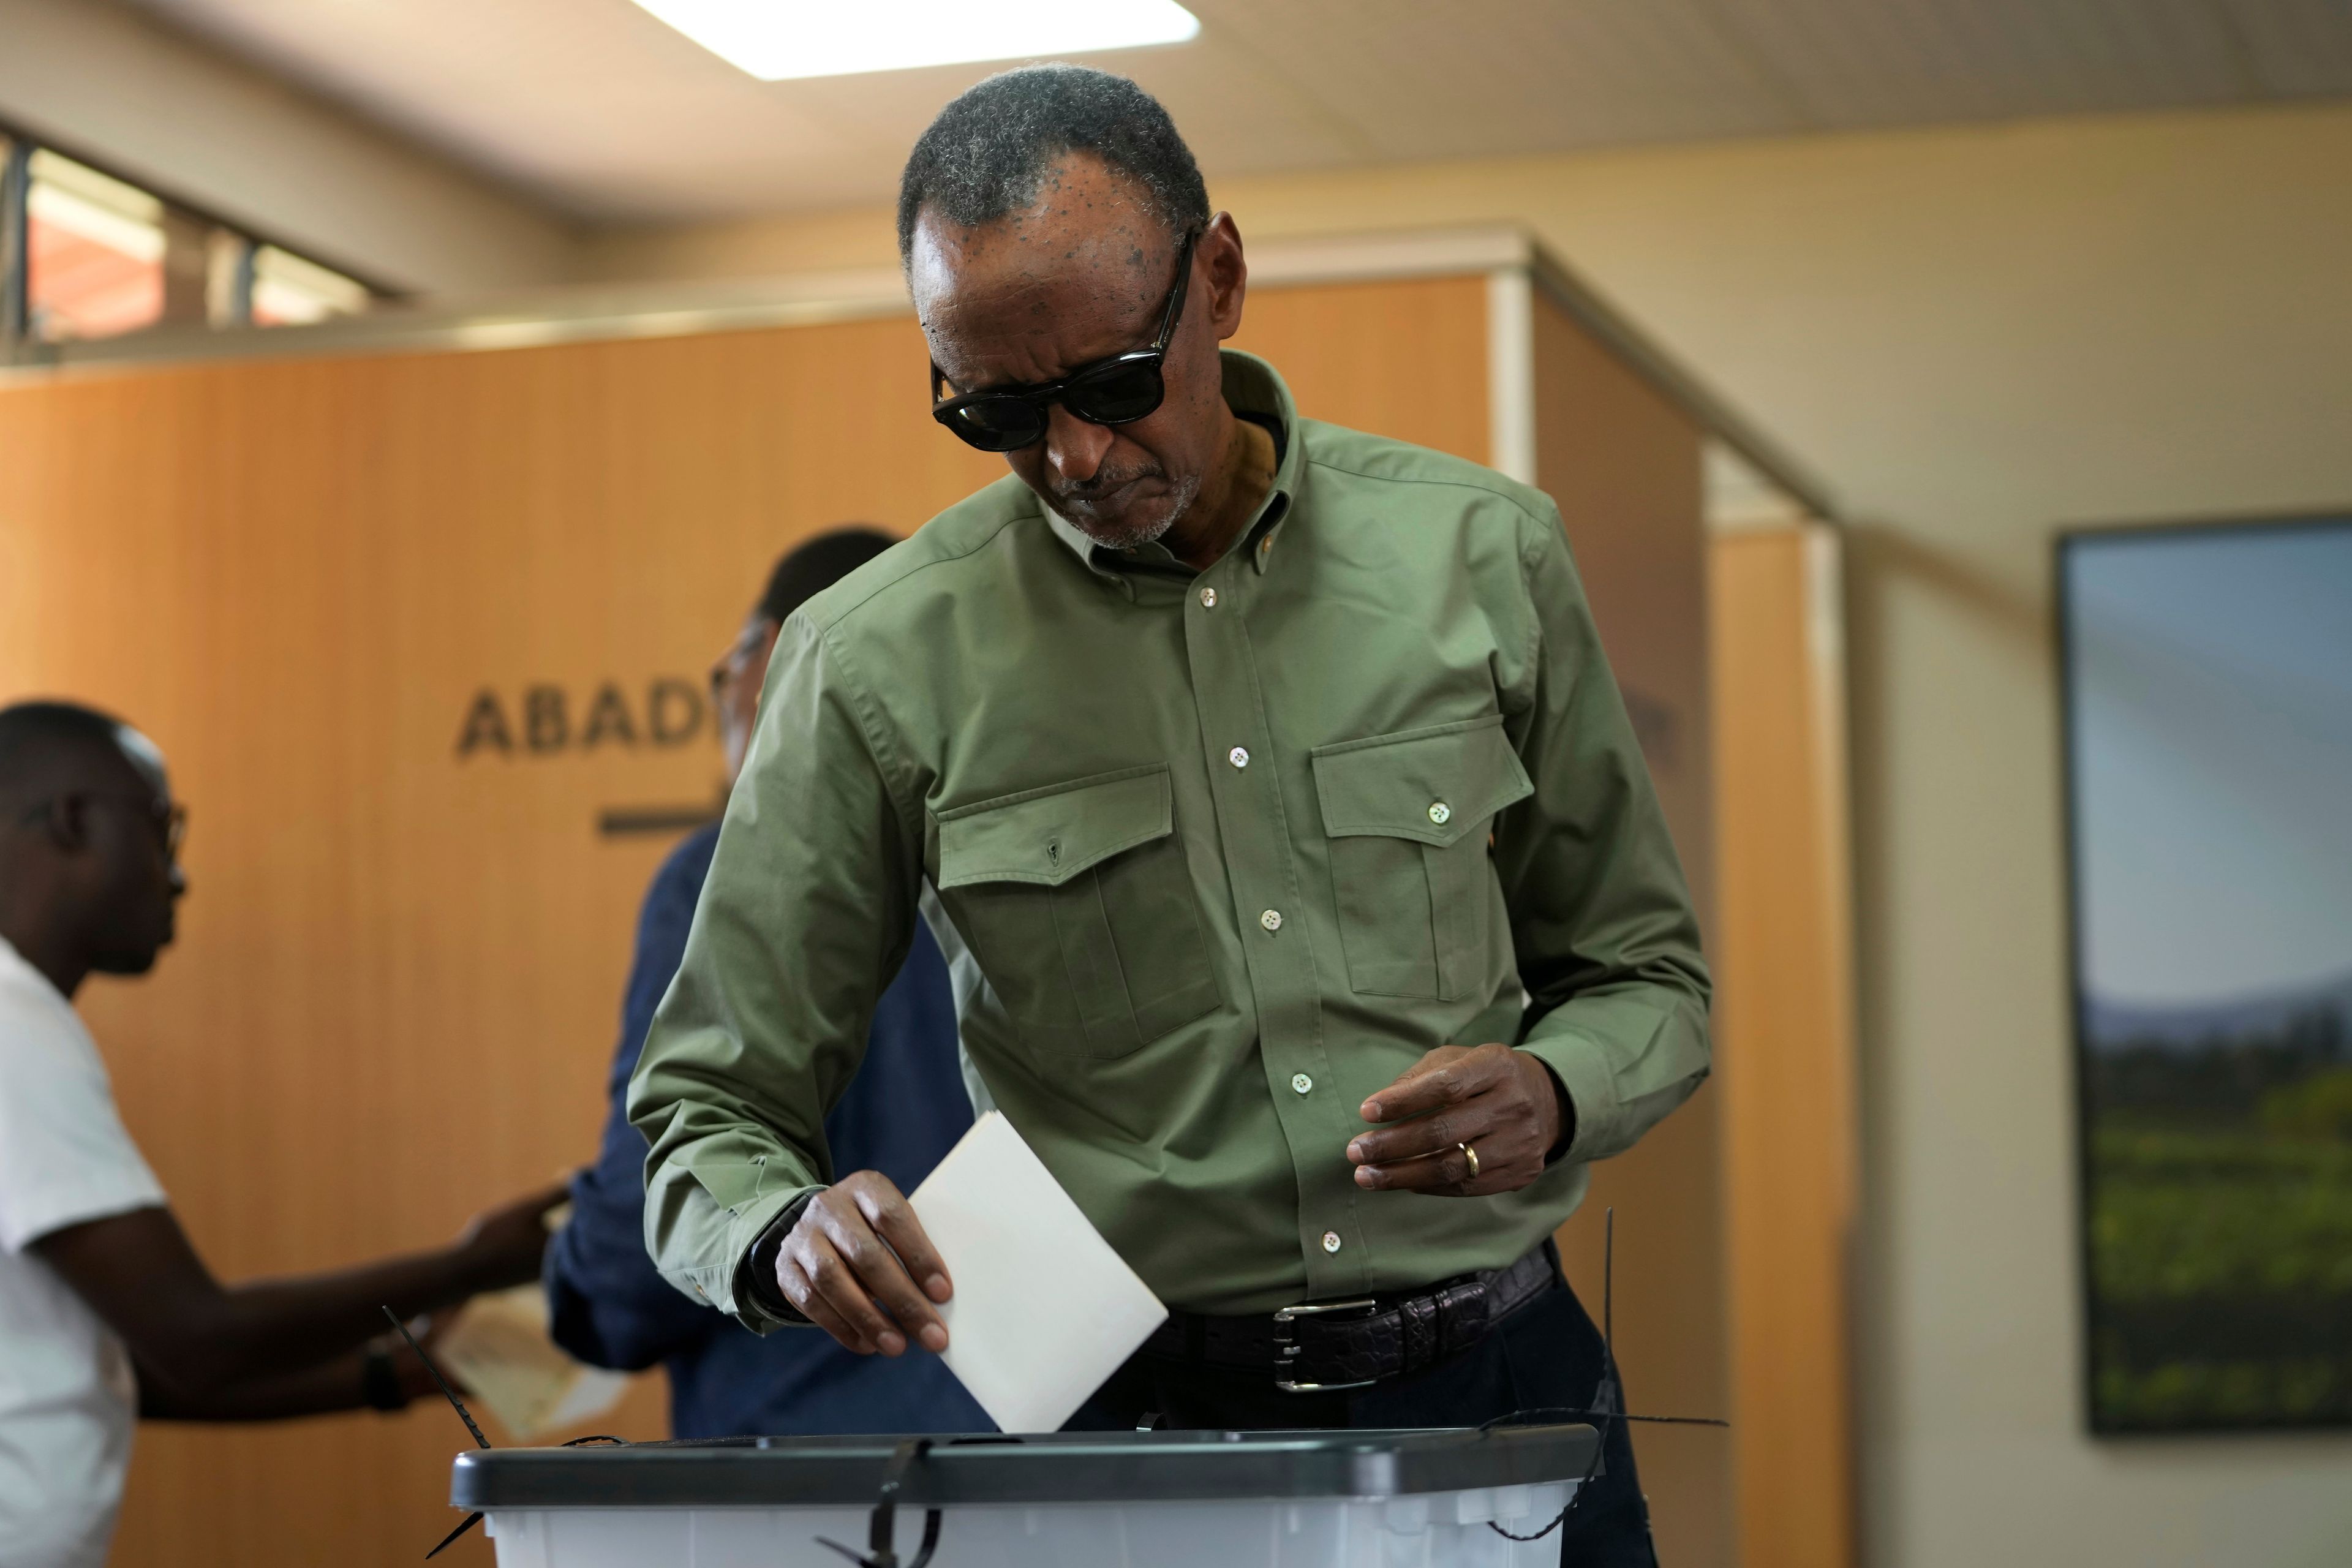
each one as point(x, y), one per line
point(1120, 390)
point(730, 667)
point(169, 817)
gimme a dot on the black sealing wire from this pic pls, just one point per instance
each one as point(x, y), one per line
point(1607, 1392)
point(464, 1415)
point(447, 1392)
point(879, 1553)
point(881, 1529)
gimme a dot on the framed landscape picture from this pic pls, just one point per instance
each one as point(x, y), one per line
point(2207, 677)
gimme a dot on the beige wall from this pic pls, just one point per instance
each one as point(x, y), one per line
point(154, 106)
point(1977, 336)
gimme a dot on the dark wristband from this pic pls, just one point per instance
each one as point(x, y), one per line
point(380, 1386)
point(759, 1279)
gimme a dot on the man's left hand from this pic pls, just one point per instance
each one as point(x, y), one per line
point(1498, 1102)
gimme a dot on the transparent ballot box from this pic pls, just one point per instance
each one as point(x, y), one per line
point(1141, 1499)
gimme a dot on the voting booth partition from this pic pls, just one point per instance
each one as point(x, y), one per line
point(420, 610)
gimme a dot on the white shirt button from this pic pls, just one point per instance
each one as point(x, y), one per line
point(1330, 1241)
point(1238, 757)
point(1301, 1082)
point(1439, 812)
point(1271, 919)
point(1208, 598)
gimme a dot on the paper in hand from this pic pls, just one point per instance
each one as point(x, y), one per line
point(1043, 1309)
point(499, 1347)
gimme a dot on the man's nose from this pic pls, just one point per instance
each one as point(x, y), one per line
point(179, 881)
point(1075, 447)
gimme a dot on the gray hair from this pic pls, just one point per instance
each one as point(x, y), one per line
point(986, 155)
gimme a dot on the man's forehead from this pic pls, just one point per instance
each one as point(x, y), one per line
point(953, 272)
point(1089, 233)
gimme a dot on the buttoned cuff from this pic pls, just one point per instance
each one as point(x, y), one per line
point(1584, 1074)
point(1565, 1139)
point(754, 1237)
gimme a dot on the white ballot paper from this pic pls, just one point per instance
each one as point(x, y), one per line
point(1043, 1309)
point(499, 1347)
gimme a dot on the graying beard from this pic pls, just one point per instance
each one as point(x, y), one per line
point(1186, 494)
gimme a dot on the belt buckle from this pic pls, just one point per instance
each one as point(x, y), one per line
point(1287, 1347)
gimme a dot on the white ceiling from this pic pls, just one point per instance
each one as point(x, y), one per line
point(603, 112)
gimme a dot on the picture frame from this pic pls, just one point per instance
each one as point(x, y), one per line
point(2205, 672)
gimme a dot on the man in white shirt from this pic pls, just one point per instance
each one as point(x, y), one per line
point(106, 1310)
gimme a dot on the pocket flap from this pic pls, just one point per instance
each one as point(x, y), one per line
point(1434, 786)
point(1049, 836)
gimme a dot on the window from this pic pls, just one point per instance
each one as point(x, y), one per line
point(85, 255)
point(290, 291)
point(94, 252)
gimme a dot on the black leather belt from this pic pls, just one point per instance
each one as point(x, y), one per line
point(1319, 1346)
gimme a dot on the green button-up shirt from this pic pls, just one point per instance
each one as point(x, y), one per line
point(1231, 850)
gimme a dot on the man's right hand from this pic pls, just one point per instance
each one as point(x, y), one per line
point(851, 1265)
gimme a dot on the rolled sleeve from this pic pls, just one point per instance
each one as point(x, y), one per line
point(807, 913)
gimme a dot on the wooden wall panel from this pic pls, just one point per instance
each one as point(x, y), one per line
point(1402, 359)
point(396, 994)
point(1624, 465)
point(1785, 1021)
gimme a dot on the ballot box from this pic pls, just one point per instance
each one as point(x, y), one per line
point(1421, 1499)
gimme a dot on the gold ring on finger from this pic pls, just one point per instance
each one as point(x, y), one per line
point(1472, 1155)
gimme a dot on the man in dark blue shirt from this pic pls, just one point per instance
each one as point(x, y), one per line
point(905, 1109)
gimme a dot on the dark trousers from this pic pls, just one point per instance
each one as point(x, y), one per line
point(1546, 1353)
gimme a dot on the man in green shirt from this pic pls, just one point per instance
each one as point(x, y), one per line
point(1320, 924)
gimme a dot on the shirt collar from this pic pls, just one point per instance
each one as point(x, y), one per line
point(15, 964)
point(1251, 387)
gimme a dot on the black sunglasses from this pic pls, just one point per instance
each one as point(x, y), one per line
point(1120, 390)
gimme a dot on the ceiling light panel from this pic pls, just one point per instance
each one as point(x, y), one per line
point(777, 40)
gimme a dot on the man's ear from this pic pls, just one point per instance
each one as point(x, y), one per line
point(66, 823)
point(1227, 272)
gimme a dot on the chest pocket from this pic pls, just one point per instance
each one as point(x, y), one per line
point(1408, 817)
point(1076, 902)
